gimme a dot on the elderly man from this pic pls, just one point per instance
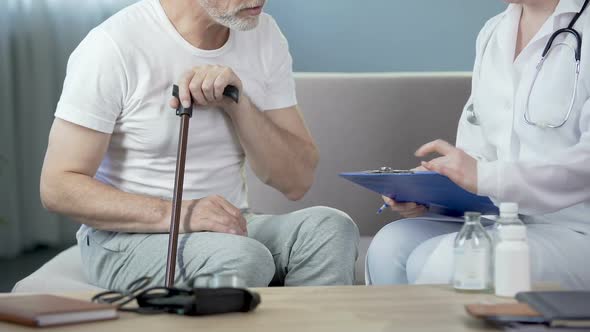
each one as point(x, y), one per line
point(111, 156)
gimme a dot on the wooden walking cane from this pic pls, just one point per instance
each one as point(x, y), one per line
point(185, 114)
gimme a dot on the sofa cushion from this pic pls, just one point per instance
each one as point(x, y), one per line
point(63, 273)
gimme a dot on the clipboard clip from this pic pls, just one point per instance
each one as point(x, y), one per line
point(389, 170)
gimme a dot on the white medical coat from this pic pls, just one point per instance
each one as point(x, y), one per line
point(547, 171)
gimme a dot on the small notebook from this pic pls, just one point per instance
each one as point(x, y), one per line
point(505, 313)
point(50, 310)
point(560, 308)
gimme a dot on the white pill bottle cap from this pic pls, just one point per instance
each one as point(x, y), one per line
point(509, 210)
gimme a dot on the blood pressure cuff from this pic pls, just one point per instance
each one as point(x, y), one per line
point(199, 301)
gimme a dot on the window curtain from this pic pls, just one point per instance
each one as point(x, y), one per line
point(36, 39)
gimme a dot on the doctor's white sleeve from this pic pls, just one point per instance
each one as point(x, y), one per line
point(558, 181)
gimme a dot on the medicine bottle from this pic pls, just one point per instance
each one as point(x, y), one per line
point(512, 267)
point(508, 216)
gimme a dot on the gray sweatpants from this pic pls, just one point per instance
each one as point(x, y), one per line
point(315, 246)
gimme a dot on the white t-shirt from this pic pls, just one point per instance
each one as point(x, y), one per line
point(119, 81)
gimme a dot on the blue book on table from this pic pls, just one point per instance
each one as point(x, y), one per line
point(427, 188)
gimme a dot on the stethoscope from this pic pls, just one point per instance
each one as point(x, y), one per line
point(474, 119)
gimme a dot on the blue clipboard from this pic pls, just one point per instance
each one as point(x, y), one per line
point(435, 191)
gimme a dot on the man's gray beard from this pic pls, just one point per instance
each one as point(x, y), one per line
point(231, 20)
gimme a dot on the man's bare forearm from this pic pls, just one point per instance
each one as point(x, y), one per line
point(279, 157)
point(100, 206)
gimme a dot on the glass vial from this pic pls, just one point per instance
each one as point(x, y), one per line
point(472, 256)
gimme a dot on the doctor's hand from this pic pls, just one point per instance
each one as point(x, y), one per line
point(406, 210)
point(454, 163)
point(205, 85)
point(211, 214)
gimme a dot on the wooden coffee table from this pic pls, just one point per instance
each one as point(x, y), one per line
point(354, 308)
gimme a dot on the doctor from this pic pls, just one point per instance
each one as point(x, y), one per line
point(524, 136)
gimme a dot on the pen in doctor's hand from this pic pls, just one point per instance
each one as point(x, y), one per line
point(383, 207)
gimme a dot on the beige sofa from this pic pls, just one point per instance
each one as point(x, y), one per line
point(359, 121)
